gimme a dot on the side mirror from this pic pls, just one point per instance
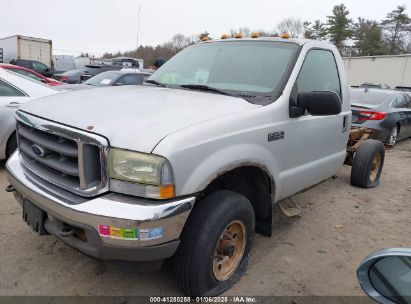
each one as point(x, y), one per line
point(385, 276)
point(317, 103)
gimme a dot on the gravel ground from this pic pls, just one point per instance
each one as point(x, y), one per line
point(315, 253)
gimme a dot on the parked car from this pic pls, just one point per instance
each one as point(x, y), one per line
point(111, 78)
point(149, 71)
point(72, 76)
point(30, 73)
point(190, 164)
point(14, 91)
point(403, 88)
point(386, 112)
point(385, 276)
point(93, 70)
point(381, 86)
point(127, 61)
point(34, 65)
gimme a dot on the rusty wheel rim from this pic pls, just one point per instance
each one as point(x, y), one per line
point(376, 163)
point(229, 250)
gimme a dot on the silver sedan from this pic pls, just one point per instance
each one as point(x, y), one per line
point(14, 90)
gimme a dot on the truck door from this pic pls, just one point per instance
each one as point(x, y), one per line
point(315, 145)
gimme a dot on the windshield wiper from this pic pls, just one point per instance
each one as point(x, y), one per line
point(202, 87)
point(152, 81)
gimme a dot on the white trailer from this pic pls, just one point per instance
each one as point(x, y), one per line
point(64, 63)
point(392, 70)
point(24, 47)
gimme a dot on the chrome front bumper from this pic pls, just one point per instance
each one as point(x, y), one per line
point(118, 227)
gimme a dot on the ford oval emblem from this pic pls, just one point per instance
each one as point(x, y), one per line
point(39, 151)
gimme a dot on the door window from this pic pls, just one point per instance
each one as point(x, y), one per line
point(408, 99)
point(8, 90)
point(130, 80)
point(39, 67)
point(319, 73)
point(400, 102)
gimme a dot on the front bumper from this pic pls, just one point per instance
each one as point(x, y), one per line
point(111, 226)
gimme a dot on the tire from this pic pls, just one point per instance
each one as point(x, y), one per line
point(392, 139)
point(195, 264)
point(367, 164)
point(11, 145)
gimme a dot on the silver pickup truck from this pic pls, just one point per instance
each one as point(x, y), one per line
point(191, 164)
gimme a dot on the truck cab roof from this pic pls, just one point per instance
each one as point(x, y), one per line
point(299, 41)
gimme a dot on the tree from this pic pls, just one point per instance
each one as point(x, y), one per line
point(243, 30)
point(339, 26)
point(316, 30)
point(368, 38)
point(263, 33)
point(292, 26)
point(179, 42)
point(308, 32)
point(397, 26)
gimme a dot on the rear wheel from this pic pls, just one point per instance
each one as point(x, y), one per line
point(393, 136)
point(11, 145)
point(216, 240)
point(367, 164)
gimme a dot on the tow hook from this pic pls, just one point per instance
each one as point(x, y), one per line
point(66, 230)
point(10, 188)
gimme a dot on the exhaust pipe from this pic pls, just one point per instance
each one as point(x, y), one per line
point(10, 188)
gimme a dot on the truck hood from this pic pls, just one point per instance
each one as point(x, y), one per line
point(135, 117)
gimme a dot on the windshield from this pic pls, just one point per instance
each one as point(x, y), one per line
point(102, 79)
point(13, 72)
point(369, 97)
point(235, 67)
point(92, 70)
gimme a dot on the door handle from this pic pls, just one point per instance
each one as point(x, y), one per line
point(345, 124)
point(13, 105)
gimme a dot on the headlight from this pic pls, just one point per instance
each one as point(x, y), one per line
point(152, 174)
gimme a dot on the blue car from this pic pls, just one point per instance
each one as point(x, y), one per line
point(386, 112)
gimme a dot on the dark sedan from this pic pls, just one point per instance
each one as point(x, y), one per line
point(72, 76)
point(387, 112)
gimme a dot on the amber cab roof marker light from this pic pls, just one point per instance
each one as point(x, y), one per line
point(285, 35)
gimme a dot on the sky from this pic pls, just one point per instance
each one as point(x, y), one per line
point(97, 26)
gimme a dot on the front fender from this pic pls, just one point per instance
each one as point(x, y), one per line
point(227, 159)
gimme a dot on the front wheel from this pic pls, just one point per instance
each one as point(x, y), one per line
point(215, 244)
point(367, 164)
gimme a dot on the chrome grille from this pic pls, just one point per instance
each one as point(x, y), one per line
point(66, 157)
